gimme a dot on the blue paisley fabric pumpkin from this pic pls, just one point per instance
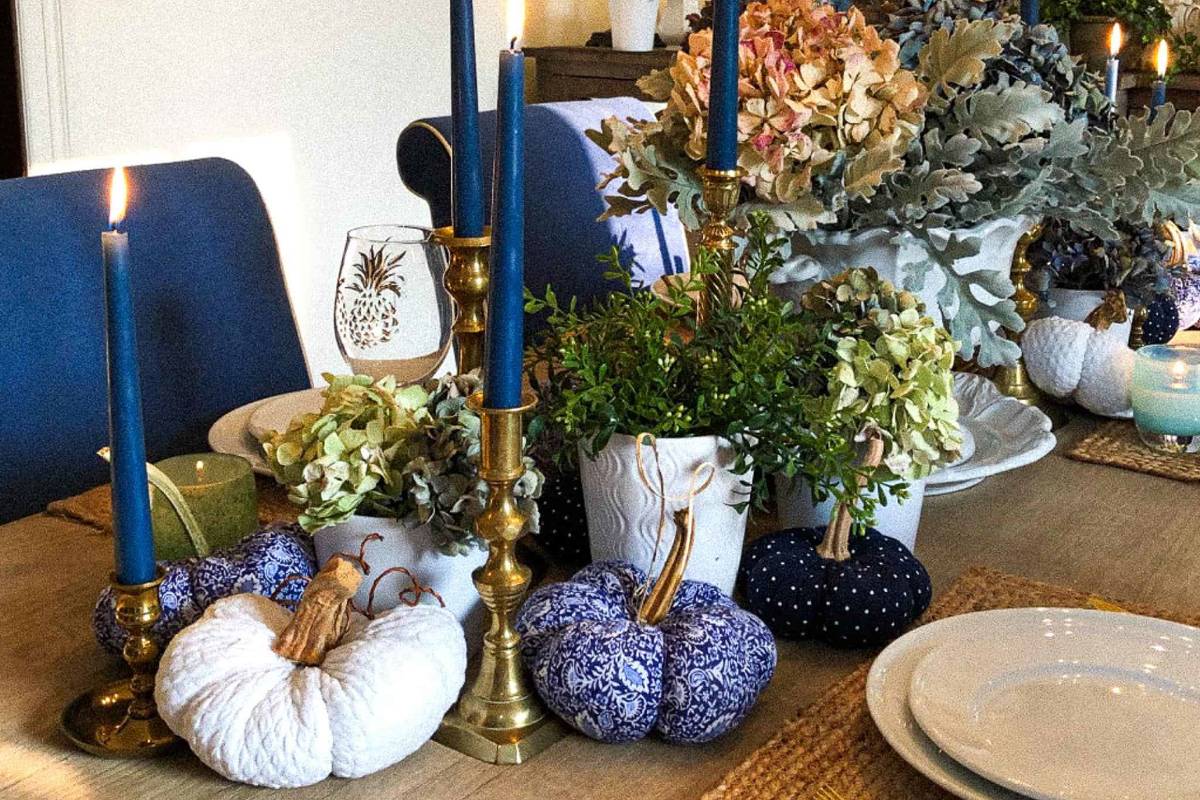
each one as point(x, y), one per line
point(866, 600)
point(692, 677)
point(256, 565)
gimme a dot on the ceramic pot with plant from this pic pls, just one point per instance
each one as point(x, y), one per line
point(402, 463)
point(730, 392)
point(890, 373)
point(962, 125)
point(1087, 24)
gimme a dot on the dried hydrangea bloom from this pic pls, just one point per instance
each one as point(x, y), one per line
point(814, 82)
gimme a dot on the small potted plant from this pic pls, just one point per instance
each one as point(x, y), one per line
point(887, 371)
point(401, 462)
point(730, 392)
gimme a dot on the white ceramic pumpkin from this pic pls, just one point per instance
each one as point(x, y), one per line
point(360, 695)
point(1069, 359)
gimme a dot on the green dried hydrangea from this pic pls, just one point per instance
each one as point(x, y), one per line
point(892, 370)
point(409, 453)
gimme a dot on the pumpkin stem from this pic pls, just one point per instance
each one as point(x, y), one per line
point(658, 602)
point(1112, 311)
point(322, 615)
point(836, 544)
point(361, 558)
point(416, 590)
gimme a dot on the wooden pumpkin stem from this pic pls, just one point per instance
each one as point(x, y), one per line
point(1113, 311)
point(361, 558)
point(658, 602)
point(416, 590)
point(836, 544)
point(322, 615)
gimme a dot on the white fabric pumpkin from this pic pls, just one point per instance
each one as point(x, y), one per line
point(259, 718)
point(1069, 359)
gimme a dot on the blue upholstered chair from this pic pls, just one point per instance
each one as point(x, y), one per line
point(562, 168)
point(215, 330)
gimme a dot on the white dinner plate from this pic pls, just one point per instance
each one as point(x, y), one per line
point(231, 434)
point(887, 700)
point(1007, 434)
point(275, 413)
point(1082, 705)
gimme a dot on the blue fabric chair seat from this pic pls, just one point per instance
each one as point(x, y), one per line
point(562, 168)
point(215, 329)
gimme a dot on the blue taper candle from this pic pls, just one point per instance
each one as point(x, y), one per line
point(133, 539)
point(1112, 79)
point(723, 87)
point(467, 159)
point(1030, 13)
point(1158, 94)
point(505, 339)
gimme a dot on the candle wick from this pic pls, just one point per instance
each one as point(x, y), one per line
point(514, 45)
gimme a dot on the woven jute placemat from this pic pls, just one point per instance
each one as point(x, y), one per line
point(834, 743)
point(94, 507)
point(1116, 444)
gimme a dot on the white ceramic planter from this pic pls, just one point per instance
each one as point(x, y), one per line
point(1076, 304)
point(412, 547)
point(623, 514)
point(633, 24)
point(821, 254)
point(898, 519)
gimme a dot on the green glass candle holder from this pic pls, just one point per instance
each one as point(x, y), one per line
point(220, 495)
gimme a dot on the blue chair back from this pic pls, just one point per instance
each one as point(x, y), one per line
point(214, 327)
point(562, 168)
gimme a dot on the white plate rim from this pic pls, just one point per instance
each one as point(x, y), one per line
point(255, 429)
point(228, 435)
point(902, 738)
point(999, 620)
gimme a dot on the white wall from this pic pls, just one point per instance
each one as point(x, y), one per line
point(307, 95)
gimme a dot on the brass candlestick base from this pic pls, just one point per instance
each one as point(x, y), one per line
point(721, 188)
point(467, 282)
point(120, 720)
point(1014, 381)
point(498, 718)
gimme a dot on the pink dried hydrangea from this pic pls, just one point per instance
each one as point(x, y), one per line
point(815, 82)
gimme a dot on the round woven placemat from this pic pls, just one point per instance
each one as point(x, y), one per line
point(834, 743)
point(1116, 444)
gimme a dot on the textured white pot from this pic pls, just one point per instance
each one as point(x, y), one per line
point(623, 514)
point(633, 23)
point(821, 254)
point(898, 519)
point(1076, 304)
point(412, 547)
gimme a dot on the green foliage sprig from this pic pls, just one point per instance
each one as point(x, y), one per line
point(638, 362)
point(1146, 19)
point(409, 453)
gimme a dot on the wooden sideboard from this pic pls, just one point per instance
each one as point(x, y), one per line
point(580, 73)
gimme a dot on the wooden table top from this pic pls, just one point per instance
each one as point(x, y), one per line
point(1098, 529)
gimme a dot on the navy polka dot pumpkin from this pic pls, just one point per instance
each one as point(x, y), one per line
point(692, 676)
point(868, 599)
point(1162, 321)
point(562, 520)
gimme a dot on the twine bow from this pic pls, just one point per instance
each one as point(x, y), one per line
point(657, 599)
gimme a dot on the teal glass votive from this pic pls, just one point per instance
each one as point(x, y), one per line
point(1166, 397)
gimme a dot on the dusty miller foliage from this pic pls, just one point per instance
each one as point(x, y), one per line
point(1014, 127)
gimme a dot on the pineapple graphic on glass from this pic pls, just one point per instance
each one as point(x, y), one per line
point(391, 314)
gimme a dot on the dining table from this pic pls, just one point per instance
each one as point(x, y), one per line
point(1122, 535)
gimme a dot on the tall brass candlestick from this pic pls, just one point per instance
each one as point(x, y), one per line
point(498, 718)
point(1014, 381)
point(721, 188)
point(120, 720)
point(467, 282)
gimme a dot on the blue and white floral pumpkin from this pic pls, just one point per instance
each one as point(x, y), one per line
point(258, 564)
point(868, 599)
point(692, 677)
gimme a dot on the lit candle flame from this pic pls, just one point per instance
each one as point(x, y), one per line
point(1115, 40)
point(118, 197)
point(1178, 371)
point(1162, 58)
point(516, 22)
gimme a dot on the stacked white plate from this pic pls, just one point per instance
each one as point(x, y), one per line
point(1051, 704)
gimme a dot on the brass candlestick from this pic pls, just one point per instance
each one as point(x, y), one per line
point(499, 719)
point(721, 188)
point(1014, 381)
point(120, 720)
point(467, 282)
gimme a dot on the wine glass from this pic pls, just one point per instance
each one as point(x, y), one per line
point(391, 313)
